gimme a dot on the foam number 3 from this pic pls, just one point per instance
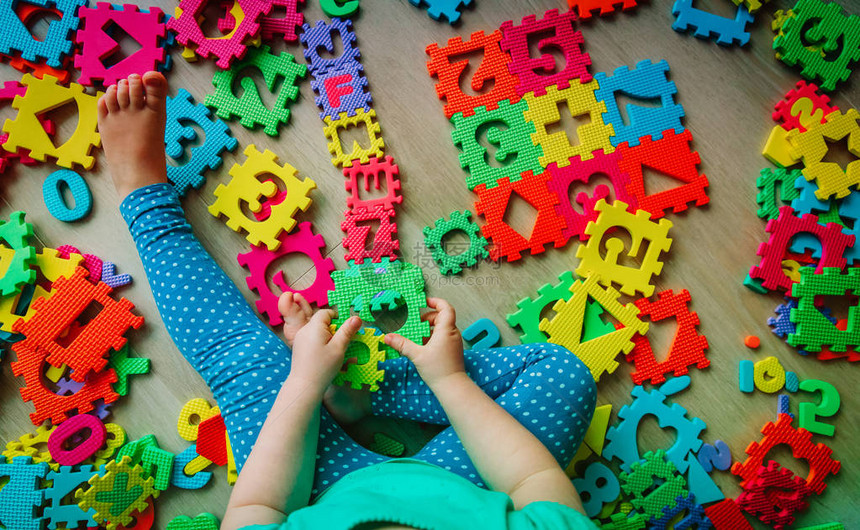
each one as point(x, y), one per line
point(829, 405)
point(597, 487)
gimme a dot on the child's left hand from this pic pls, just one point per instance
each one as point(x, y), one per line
point(317, 354)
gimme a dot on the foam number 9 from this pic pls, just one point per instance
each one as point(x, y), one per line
point(597, 487)
point(192, 415)
point(829, 405)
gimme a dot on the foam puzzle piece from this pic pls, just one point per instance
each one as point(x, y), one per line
point(287, 21)
point(585, 8)
point(321, 35)
point(802, 107)
point(673, 157)
point(57, 42)
point(368, 348)
point(643, 476)
point(774, 496)
point(580, 171)
point(104, 331)
point(647, 81)
point(83, 450)
point(792, 383)
point(232, 470)
point(225, 49)
point(812, 147)
point(537, 74)
point(783, 405)
point(193, 412)
point(180, 478)
point(126, 366)
point(830, 27)
point(278, 71)
point(492, 74)
point(527, 317)
point(111, 278)
point(162, 461)
point(694, 515)
point(458, 222)
point(813, 330)
point(716, 456)
point(33, 445)
point(727, 515)
point(818, 456)
point(605, 263)
point(259, 260)
point(27, 13)
point(687, 348)
point(27, 132)
point(752, 5)
point(625, 521)
point(597, 495)
point(22, 496)
point(17, 234)
point(828, 407)
point(189, 171)
point(778, 149)
point(439, 9)
point(386, 445)
point(115, 439)
point(375, 147)
point(342, 90)
point(566, 326)
point(358, 225)
point(746, 375)
point(487, 330)
point(52, 193)
point(95, 44)
point(727, 31)
point(372, 171)
point(769, 375)
point(782, 230)
point(825, 526)
point(211, 440)
point(204, 521)
point(65, 480)
point(117, 494)
point(505, 241)
point(768, 182)
point(559, 147)
point(622, 436)
point(502, 133)
point(92, 263)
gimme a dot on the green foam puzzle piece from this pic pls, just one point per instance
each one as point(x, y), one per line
point(126, 366)
point(204, 521)
point(814, 330)
point(454, 263)
point(768, 182)
point(386, 445)
point(642, 477)
point(16, 234)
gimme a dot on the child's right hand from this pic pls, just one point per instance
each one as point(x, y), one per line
point(442, 356)
point(317, 354)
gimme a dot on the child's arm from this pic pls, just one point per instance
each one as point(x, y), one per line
point(278, 474)
point(508, 457)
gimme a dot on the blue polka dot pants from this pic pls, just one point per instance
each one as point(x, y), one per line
point(244, 363)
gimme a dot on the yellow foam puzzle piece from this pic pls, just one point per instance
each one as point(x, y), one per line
point(641, 228)
point(367, 373)
point(596, 433)
point(751, 5)
point(769, 375)
point(558, 147)
point(778, 149)
point(186, 425)
point(232, 472)
point(114, 439)
point(335, 146)
point(245, 187)
point(27, 132)
point(812, 145)
point(197, 464)
point(599, 354)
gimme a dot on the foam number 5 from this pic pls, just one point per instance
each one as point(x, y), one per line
point(597, 487)
point(827, 407)
point(192, 415)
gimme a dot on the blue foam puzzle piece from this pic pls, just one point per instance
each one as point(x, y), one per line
point(782, 324)
point(178, 477)
point(58, 41)
point(21, 497)
point(675, 385)
point(189, 174)
point(320, 36)
point(746, 371)
point(647, 81)
point(486, 327)
point(792, 383)
point(597, 496)
point(111, 278)
point(783, 405)
point(67, 480)
point(807, 203)
point(450, 9)
point(706, 25)
point(716, 456)
point(700, 483)
point(694, 515)
point(52, 193)
point(343, 90)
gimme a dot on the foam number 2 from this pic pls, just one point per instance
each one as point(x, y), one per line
point(829, 405)
point(597, 487)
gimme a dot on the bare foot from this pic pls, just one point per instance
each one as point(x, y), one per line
point(131, 123)
point(296, 312)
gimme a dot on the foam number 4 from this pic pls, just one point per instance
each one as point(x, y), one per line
point(597, 487)
point(827, 407)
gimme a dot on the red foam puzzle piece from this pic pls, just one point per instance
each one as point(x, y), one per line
point(688, 347)
point(272, 26)
point(782, 230)
point(584, 8)
point(774, 496)
point(818, 105)
point(212, 440)
point(493, 70)
point(371, 172)
point(673, 157)
point(27, 12)
point(358, 224)
point(70, 298)
point(507, 242)
point(726, 515)
point(852, 356)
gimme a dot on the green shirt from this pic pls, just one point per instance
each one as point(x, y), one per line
point(413, 493)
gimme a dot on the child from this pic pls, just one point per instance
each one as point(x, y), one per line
point(515, 414)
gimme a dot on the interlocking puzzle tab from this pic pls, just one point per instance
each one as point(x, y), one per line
point(458, 222)
point(146, 28)
point(585, 8)
point(27, 131)
point(536, 74)
point(527, 317)
point(566, 326)
point(802, 107)
point(829, 27)
point(58, 41)
point(688, 346)
point(278, 70)
point(604, 264)
point(342, 158)
point(363, 174)
point(16, 235)
point(813, 145)
point(188, 173)
point(706, 25)
point(768, 182)
point(492, 72)
point(322, 36)
point(814, 330)
point(647, 81)
point(437, 9)
point(368, 349)
point(342, 90)
point(286, 25)
point(507, 133)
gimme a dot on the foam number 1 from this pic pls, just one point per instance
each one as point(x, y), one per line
point(597, 487)
point(829, 405)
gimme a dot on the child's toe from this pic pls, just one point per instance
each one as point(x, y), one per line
point(110, 99)
point(122, 95)
point(136, 92)
point(156, 89)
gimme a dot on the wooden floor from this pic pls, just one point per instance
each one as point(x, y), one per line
point(728, 95)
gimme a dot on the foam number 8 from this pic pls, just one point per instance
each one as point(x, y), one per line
point(775, 373)
point(829, 405)
point(597, 487)
point(192, 415)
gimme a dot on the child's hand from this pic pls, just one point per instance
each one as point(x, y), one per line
point(317, 354)
point(442, 356)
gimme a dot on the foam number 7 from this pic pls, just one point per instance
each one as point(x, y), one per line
point(829, 406)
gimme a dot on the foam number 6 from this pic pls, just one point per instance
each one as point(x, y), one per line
point(52, 193)
point(597, 487)
point(192, 415)
point(829, 405)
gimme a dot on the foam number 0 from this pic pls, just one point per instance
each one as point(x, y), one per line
point(52, 193)
point(67, 430)
point(829, 405)
point(769, 375)
point(597, 487)
point(192, 415)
